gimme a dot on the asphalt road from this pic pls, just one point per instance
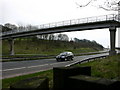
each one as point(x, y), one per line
point(16, 68)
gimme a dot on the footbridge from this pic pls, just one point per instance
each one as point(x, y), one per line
point(111, 21)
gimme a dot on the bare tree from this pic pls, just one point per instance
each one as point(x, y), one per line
point(11, 26)
point(109, 5)
point(62, 37)
point(89, 2)
point(51, 36)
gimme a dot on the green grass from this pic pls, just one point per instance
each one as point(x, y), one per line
point(105, 68)
point(7, 82)
point(44, 47)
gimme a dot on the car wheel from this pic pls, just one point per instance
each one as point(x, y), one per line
point(71, 58)
point(58, 60)
point(68, 58)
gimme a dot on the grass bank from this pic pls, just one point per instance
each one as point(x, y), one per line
point(46, 47)
point(105, 68)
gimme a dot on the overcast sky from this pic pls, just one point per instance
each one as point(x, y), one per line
point(36, 12)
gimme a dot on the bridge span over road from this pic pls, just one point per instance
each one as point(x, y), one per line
point(111, 21)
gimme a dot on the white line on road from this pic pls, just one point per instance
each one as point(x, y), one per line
point(57, 63)
point(31, 66)
point(13, 69)
point(38, 66)
point(24, 67)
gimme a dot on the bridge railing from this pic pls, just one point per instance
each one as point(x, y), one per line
point(79, 21)
point(66, 23)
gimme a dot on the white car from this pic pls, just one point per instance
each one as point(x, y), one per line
point(64, 56)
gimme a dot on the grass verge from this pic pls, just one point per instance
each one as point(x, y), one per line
point(105, 68)
point(8, 81)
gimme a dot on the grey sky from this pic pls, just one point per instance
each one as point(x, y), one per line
point(38, 12)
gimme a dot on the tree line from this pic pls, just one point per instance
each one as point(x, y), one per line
point(59, 36)
point(88, 43)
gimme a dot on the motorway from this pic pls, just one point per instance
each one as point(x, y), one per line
point(17, 68)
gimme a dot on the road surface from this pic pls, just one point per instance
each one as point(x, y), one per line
point(16, 68)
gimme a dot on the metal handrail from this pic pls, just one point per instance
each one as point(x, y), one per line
point(67, 23)
point(87, 60)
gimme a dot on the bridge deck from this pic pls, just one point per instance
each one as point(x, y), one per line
point(89, 23)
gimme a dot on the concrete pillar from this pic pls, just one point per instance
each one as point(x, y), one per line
point(112, 40)
point(11, 43)
point(119, 20)
point(119, 37)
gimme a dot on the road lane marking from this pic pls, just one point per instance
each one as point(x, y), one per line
point(13, 69)
point(24, 67)
point(31, 66)
point(57, 63)
point(35, 66)
point(38, 66)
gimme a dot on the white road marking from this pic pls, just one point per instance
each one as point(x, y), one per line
point(13, 69)
point(57, 63)
point(30, 66)
point(38, 66)
point(24, 67)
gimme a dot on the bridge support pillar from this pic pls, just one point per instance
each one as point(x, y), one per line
point(11, 43)
point(112, 40)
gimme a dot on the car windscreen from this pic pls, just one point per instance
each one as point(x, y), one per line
point(63, 53)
